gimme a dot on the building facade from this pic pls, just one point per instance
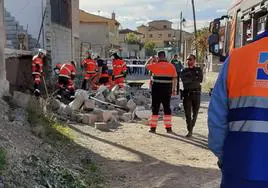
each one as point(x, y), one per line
point(52, 25)
point(164, 36)
point(98, 33)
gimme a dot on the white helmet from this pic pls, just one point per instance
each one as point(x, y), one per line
point(42, 51)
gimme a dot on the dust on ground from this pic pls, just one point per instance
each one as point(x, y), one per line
point(131, 157)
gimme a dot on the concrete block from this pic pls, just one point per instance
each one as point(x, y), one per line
point(89, 119)
point(21, 99)
point(140, 99)
point(144, 114)
point(89, 105)
point(126, 117)
point(55, 105)
point(80, 97)
point(102, 126)
point(99, 112)
point(131, 105)
point(121, 102)
point(68, 111)
point(110, 116)
point(79, 118)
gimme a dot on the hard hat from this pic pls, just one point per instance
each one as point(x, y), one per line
point(42, 51)
point(112, 52)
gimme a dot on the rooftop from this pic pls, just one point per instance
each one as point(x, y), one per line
point(126, 31)
point(92, 18)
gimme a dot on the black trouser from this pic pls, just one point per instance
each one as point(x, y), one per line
point(178, 84)
point(191, 104)
point(161, 94)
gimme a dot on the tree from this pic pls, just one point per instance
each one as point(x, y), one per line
point(150, 48)
point(201, 43)
point(132, 39)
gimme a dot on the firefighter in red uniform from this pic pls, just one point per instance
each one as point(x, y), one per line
point(90, 68)
point(119, 70)
point(37, 70)
point(66, 74)
point(164, 84)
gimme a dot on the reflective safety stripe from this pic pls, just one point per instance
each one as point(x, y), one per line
point(37, 79)
point(37, 90)
point(63, 75)
point(119, 76)
point(36, 73)
point(153, 121)
point(66, 68)
point(162, 81)
point(168, 121)
point(91, 72)
point(249, 113)
point(242, 102)
point(249, 126)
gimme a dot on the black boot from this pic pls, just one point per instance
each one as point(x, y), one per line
point(152, 130)
point(190, 134)
point(169, 130)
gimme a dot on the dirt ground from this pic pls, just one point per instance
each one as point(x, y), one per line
point(132, 157)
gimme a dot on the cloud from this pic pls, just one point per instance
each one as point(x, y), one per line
point(221, 10)
point(134, 13)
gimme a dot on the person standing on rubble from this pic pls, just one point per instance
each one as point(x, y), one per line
point(237, 116)
point(37, 70)
point(90, 68)
point(192, 78)
point(119, 70)
point(66, 74)
point(164, 80)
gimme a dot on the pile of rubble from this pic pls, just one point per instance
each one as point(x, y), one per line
point(105, 107)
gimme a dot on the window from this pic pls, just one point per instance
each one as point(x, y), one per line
point(151, 36)
point(165, 26)
point(238, 31)
point(261, 24)
point(169, 35)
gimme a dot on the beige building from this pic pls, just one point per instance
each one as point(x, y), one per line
point(98, 33)
point(162, 33)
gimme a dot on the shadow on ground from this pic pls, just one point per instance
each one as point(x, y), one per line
point(149, 171)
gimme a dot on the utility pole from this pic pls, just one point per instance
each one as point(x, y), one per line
point(181, 20)
point(195, 30)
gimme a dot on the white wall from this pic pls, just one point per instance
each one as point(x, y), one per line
point(61, 44)
point(97, 35)
point(27, 12)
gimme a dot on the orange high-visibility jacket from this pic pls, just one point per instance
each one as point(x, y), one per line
point(66, 70)
point(90, 66)
point(119, 68)
point(37, 65)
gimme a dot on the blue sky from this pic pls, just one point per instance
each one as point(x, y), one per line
point(132, 13)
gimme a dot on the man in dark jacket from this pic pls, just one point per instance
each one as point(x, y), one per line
point(192, 78)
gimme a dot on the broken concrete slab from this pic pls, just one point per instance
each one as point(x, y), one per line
point(111, 98)
point(140, 100)
point(102, 126)
point(80, 97)
point(144, 114)
point(89, 105)
point(102, 90)
point(131, 105)
point(61, 109)
point(110, 115)
point(121, 102)
point(21, 99)
point(54, 104)
point(68, 111)
point(89, 119)
point(126, 117)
